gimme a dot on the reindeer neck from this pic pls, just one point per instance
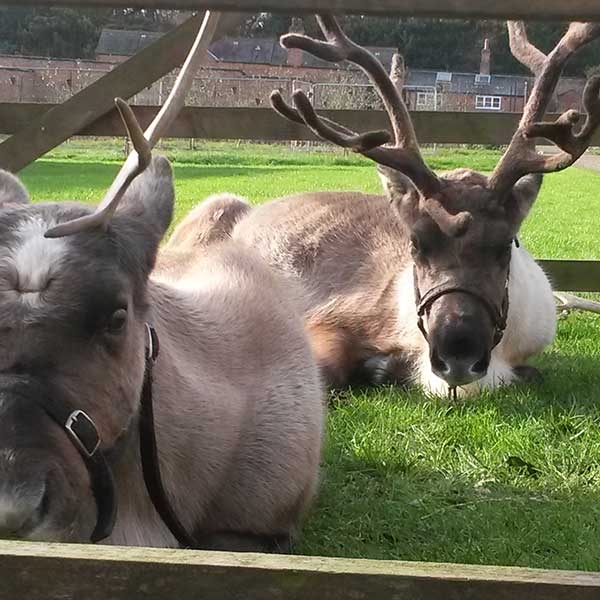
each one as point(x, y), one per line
point(137, 521)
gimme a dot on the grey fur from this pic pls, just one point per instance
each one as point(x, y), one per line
point(238, 397)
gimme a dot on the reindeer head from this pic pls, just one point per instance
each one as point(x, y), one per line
point(72, 314)
point(74, 336)
point(462, 225)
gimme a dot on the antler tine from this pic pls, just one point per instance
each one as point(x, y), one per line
point(143, 142)
point(521, 157)
point(135, 133)
point(333, 132)
point(405, 155)
point(522, 49)
point(305, 114)
point(451, 225)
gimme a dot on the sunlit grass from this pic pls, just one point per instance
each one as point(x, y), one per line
point(510, 478)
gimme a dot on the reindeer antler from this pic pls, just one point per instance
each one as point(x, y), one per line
point(404, 155)
point(521, 157)
point(144, 142)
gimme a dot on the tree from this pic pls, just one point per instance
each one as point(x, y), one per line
point(438, 44)
point(70, 33)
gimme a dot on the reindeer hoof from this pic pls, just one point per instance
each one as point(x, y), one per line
point(376, 369)
point(385, 369)
point(527, 374)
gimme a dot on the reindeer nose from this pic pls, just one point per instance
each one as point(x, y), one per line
point(22, 509)
point(459, 356)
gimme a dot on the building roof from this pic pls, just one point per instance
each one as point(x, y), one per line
point(268, 51)
point(470, 83)
point(120, 42)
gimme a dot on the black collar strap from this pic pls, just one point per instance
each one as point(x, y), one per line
point(149, 451)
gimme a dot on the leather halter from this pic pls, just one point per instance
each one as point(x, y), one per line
point(149, 451)
point(498, 316)
point(83, 433)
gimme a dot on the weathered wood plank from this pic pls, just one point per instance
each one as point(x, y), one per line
point(55, 571)
point(264, 123)
point(489, 9)
point(63, 121)
point(573, 275)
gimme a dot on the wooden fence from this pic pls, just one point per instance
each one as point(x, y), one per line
point(79, 572)
point(583, 10)
point(54, 571)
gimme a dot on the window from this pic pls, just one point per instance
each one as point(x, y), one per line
point(443, 77)
point(425, 100)
point(482, 79)
point(488, 102)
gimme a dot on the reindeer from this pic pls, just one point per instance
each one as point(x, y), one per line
point(428, 283)
point(212, 440)
point(209, 222)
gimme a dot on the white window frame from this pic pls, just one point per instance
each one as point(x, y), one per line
point(443, 77)
point(425, 99)
point(488, 102)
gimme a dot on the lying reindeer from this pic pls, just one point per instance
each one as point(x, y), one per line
point(230, 460)
point(429, 283)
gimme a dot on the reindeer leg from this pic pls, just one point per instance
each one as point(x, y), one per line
point(527, 374)
point(384, 369)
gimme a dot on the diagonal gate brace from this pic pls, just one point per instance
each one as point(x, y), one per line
point(65, 120)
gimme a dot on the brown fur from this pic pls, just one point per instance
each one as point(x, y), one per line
point(353, 255)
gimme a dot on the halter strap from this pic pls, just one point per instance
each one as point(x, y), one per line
point(83, 433)
point(149, 451)
point(499, 317)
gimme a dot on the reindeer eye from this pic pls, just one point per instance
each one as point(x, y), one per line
point(117, 321)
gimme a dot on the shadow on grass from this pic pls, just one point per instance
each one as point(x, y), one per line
point(425, 515)
point(508, 478)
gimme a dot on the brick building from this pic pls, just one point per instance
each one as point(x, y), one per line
point(243, 72)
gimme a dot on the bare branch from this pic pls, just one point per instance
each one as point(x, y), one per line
point(569, 302)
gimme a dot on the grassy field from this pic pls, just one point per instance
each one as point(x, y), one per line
point(509, 478)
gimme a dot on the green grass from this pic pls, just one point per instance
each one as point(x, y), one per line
point(509, 478)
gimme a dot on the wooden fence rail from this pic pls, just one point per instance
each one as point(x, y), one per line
point(59, 571)
point(264, 124)
point(584, 10)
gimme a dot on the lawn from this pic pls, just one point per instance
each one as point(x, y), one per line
point(509, 478)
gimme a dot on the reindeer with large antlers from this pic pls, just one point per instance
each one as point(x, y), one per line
point(192, 403)
point(428, 283)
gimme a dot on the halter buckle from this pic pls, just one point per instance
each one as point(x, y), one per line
point(152, 346)
point(83, 432)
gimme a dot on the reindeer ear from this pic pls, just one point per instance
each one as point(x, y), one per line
point(151, 197)
point(145, 212)
point(524, 194)
point(12, 191)
point(401, 192)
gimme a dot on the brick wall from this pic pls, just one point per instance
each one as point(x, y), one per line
point(24, 79)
